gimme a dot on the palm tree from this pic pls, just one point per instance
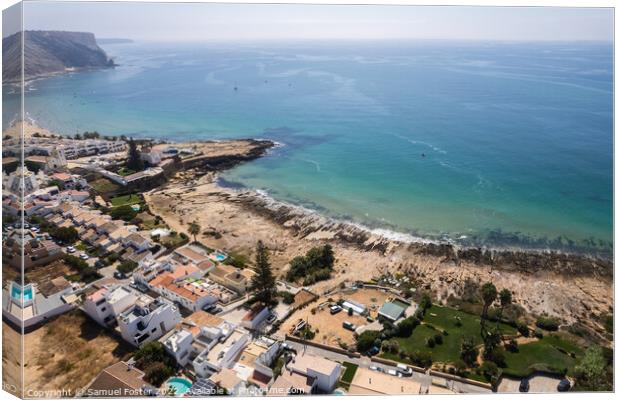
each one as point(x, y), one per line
point(194, 229)
point(489, 294)
point(505, 299)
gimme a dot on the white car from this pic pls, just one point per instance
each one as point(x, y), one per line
point(70, 249)
point(84, 256)
point(404, 369)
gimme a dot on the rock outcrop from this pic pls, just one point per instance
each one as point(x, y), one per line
point(50, 52)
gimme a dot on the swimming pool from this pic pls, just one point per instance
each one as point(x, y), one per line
point(220, 256)
point(16, 293)
point(180, 385)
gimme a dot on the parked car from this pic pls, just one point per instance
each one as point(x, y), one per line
point(215, 310)
point(374, 350)
point(84, 256)
point(119, 275)
point(564, 385)
point(335, 309)
point(404, 369)
point(524, 386)
point(393, 372)
point(272, 318)
point(70, 249)
point(349, 326)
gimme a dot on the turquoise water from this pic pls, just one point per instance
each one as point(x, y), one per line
point(180, 385)
point(480, 143)
point(16, 293)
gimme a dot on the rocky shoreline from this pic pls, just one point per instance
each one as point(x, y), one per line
point(305, 223)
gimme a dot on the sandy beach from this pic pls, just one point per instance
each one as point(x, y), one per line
point(566, 290)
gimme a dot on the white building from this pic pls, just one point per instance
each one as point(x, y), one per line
point(148, 319)
point(106, 304)
point(326, 372)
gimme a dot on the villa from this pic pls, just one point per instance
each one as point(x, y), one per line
point(32, 304)
point(107, 303)
point(206, 343)
point(233, 278)
point(147, 320)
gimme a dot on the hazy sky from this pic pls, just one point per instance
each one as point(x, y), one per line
point(184, 21)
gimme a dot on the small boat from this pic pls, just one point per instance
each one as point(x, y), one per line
point(423, 155)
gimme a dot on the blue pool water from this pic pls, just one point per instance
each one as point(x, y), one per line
point(16, 293)
point(220, 257)
point(478, 142)
point(180, 385)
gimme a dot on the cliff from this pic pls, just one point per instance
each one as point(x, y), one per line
point(50, 52)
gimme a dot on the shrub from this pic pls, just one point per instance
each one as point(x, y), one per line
point(126, 266)
point(405, 327)
point(460, 367)
point(438, 338)
point(430, 342)
point(523, 328)
point(547, 323)
point(366, 340)
point(490, 371)
point(512, 346)
point(421, 358)
point(469, 353)
point(538, 333)
point(124, 212)
point(316, 265)
point(287, 297)
point(497, 356)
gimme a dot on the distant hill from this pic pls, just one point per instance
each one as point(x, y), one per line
point(113, 41)
point(51, 52)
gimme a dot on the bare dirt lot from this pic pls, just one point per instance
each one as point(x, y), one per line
point(330, 329)
point(67, 353)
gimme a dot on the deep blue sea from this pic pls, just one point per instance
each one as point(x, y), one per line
point(476, 142)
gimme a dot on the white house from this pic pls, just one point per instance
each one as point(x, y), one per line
point(326, 372)
point(255, 316)
point(222, 354)
point(107, 303)
point(148, 319)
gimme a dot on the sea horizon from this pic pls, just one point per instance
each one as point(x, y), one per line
point(498, 144)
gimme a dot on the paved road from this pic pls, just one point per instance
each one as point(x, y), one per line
point(365, 362)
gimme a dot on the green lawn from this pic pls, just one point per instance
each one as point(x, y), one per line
point(543, 355)
point(103, 185)
point(438, 319)
point(171, 241)
point(128, 199)
point(125, 171)
point(349, 372)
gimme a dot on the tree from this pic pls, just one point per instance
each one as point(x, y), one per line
point(469, 353)
point(593, 372)
point(489, 295)
point(315, 266)
point(366, 340)
point(124, 212)
point(134, 161)
point(505, 299)
point(127, 266)
point(194, 229)
point(263, 283)
point(65, 234)
point(490, 371)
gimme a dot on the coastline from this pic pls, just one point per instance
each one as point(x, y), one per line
point(567, 286)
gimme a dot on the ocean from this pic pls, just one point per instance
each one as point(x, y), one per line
point(478, 143)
